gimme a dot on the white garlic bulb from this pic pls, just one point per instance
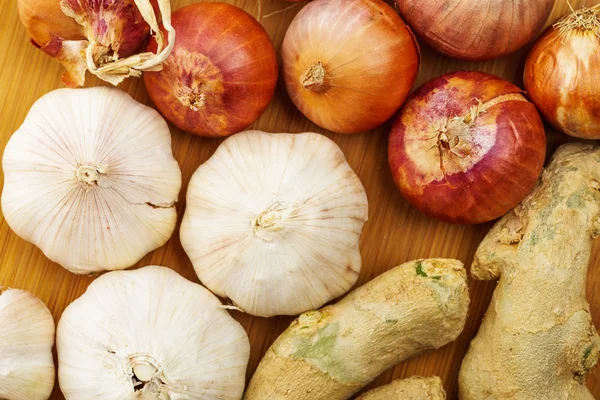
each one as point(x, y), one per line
point(150, 334)
point(273, 222)
point(91, 180)
point(26, 341)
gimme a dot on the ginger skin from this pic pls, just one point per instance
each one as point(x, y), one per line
point(414, 388)
point(537, 339)
point(332, 353)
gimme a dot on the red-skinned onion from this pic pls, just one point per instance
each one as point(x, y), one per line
point(222, 72)
point(476, 29)
point(44, 19)
point(349, 64)
point(467, 147)
point(102, 37)
point(561, 74)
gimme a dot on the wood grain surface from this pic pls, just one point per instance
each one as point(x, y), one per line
point(395, 232)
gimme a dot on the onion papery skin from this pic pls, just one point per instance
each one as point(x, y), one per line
point(561, 78)
point(44, 18)
point(221, 74)
point(115, 24)
point(64, 28)
point(467, 147)
point(349, 64)
point(476, 29)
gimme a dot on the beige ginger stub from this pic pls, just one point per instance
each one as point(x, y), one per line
point(332, 353)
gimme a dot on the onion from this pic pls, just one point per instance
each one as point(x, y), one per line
point(561, 74)
point(349, 64)
point(476, 29)
point(467, 147)
point(221, 74)
point(99, 36)
point(44, 18)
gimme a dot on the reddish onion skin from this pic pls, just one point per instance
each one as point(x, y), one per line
point(116, 24)
point(467, 147)
point(349, 64)
point(561, 78)
point(42, 18)
point(221, 74)
point(476, 29)
point(64, 28)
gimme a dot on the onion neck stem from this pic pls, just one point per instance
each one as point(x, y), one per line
point(315, 79)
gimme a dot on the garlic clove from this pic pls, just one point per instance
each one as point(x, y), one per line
point(150, 334)
point(26, 341)
point(273, 222)
point(91, 180)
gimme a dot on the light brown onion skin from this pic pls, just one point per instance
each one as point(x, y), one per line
point(490, 168)
point(370, 59)
point(223, 53)
point(476, 29)
point(561, 78)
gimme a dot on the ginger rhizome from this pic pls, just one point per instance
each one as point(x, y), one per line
point(332, 353)
point(537, 340)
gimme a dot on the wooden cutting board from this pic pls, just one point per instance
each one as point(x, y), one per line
point(394, 234)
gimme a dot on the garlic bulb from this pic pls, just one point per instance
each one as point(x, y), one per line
point(26, 341)
point(150, 334)
point(91, 180)
point(273, 222)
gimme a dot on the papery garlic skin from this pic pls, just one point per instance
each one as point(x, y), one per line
point(26, 341)
point(91, 180)
point(273, 222)
point(151, 323)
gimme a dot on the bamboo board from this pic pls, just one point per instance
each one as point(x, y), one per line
point(394, 234)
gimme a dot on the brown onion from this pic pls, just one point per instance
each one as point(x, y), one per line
point(222, 72)
point(349, 64)
point(561, 74)
point(99, 36)
point(476, 29)
point(467, 147)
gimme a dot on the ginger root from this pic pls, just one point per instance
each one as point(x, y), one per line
point(537, 340)
point(414, 388)
point(332, 353)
